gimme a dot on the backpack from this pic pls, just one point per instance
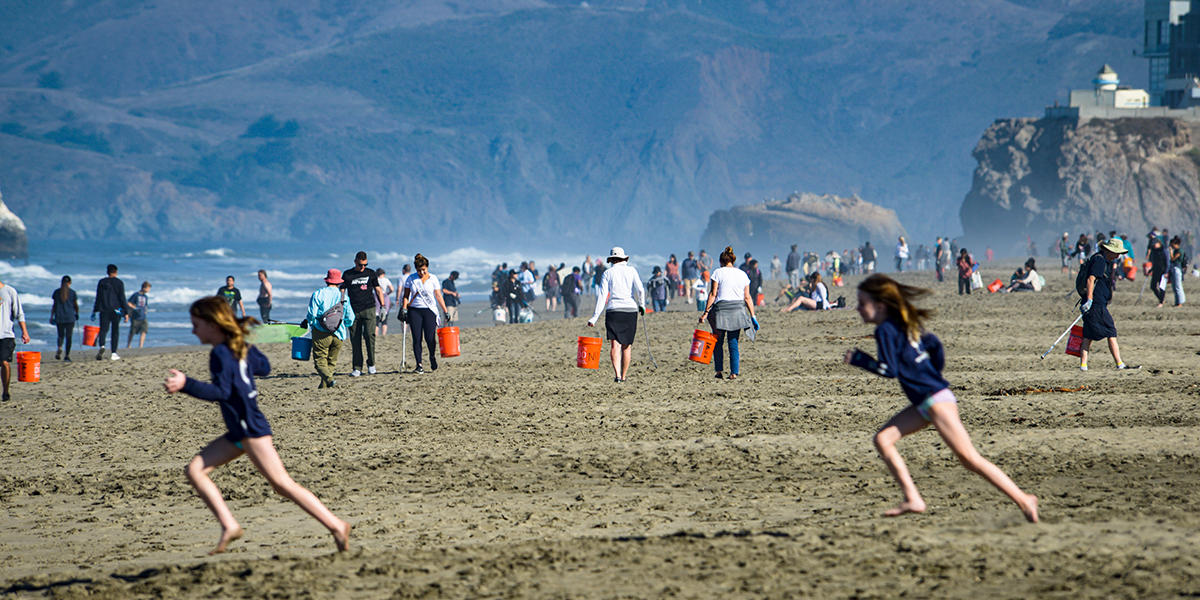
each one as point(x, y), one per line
point(332, 318)
point(1082, 277)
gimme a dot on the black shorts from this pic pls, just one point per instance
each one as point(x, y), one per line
point(621, 326)
point(7, 346)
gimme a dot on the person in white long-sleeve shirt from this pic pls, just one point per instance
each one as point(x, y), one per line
point(621, 298)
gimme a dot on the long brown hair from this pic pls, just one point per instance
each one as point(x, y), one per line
point(728, 257)
point(215, 310)
point(898, 298)
point(64, 288)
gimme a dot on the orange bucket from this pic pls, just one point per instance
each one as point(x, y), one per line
point(995, 286)
point(762, 299)
point(29, 366)
point(703, 344)
point(89, 335)
point(448, 341)
point(1147, 267)
point(1075, 341)
point(588, 354)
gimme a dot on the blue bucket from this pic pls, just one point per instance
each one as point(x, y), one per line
point(301, 348)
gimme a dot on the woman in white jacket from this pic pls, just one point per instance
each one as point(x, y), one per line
point(621, 298)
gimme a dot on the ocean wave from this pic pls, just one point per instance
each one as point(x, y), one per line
point(221, 252)
point(35, 300)
point(285, 276)
point(9, 271)
point(183, 295)
point(281, 294)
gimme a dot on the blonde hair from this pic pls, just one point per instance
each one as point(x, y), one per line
point(898, 298)
point(216, 310)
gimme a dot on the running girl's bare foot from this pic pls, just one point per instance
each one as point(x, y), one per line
point(1030, 508)
point(341, 537)
point(226, 537)
point(905, 508)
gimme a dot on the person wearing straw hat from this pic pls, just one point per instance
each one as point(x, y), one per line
point(621, 298)
point(1095, 294)
point(327, 339)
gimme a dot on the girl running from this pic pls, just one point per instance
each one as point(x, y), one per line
point(916, 358)
point(234, 363)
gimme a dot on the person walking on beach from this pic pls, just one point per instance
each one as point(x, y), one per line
point(1159, 261)
point(690, 270)
point(1064, 252)
point(64, 313)
point(901, 254)
point(672, 273)
point(10, 313)
point(423, 296)
point(139, 307)
point(362, 289)
point(1095, 295)
point(656, 288)
point(1179, 263)
point(729, 300)
point(329, 319)
point(572, 287)
point(233, 364)
point(110, 305)
point(451, 298)
point(550, 287)
point(232, 295)
point(916, 358)
point(776, 267)
point(383, 302)
point(265, 295)
point(621, 298)
point(793, 267)
point(706, 261)
point(965, 264)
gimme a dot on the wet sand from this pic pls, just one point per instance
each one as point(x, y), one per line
point(511, 473)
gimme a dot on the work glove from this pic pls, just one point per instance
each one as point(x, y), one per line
point(754, 320)
point(93, 316)
point(1086, 306)
point(304, 324)
point(642, 310)
point(404, 314)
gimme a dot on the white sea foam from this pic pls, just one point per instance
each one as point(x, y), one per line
point(38, 300)
point(9, 271)
point(285, 276)
point(182, 295)
point(221, 252)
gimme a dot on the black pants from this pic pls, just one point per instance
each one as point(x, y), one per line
point(940, 269)
point(65, 331)
point(422, 321)
point(570, 305)
point(109, 319)
point(1155, 277)
point(964, 285)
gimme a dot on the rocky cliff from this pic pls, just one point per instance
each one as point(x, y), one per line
point(13, 241)
point(1043, 177)
point(818, 223)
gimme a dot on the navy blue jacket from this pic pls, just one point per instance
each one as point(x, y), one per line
point(917, 366)
point(233, 388)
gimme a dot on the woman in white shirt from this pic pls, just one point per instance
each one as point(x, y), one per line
point(621, 297)
point(422, 296)
point(728, 301)
point(901, 254)
point(817, 298)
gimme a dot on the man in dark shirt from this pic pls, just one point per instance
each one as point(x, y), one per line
point(792, 266)
point(690, 270)
point(110, 305)
point(572, 286)
point(232, 295)
point(450, 295)
point(363, 290)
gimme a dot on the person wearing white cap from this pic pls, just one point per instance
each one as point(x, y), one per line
point(621, 298)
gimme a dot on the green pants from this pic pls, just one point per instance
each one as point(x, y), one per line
point(325, 354)
point(362, 332)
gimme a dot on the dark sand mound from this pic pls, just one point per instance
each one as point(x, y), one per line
point(511, 473)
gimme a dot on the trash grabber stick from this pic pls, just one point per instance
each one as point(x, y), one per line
point(648, 350)
point(1064, 334)
point(1144, 282)
point(403, 343)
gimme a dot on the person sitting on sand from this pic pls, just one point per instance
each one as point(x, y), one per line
point(234, 363)
point(817, 297)
point(1028, 279)
point(916, 358)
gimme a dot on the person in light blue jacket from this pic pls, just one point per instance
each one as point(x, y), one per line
point(327, 343)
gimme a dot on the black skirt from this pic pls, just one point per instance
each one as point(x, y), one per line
point(1098, 323)
point(621, 326)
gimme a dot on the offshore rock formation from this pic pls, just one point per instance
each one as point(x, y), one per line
point(13, 241)
point(814, 222)
point(1043, 177)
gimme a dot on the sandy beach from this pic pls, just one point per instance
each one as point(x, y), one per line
point(509, 472)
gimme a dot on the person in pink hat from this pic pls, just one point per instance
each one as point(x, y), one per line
point(329, 318)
